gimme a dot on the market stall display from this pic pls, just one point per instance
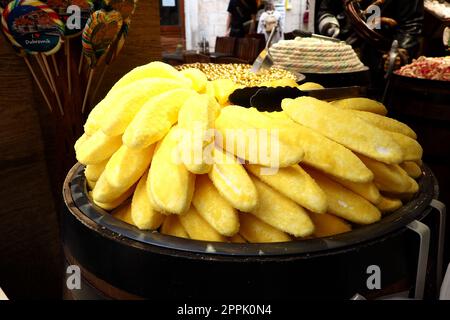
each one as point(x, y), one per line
point(419, 96)
point(311, 55)
point(72, 29)
point(330, 63)
point(241, 74)
point(99, 34)
point(427, 68)
point(339, 217)
point(34, 28)
point(440, 9)
point(331, 158)
point(40, 28)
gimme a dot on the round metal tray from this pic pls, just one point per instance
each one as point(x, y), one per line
point(79, 204)
point(423, 84)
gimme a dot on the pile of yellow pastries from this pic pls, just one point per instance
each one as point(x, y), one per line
point(340, 164)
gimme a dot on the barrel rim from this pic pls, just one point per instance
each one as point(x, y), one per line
point(420, 83)
point(364, 71)
point(97, 219)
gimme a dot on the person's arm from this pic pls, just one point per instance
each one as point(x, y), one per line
point(228, 28)
point(410, 25)
point(327, 22)
point(330, 7)
point(280, 26)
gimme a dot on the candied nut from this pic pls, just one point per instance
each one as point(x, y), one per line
point(239, 73)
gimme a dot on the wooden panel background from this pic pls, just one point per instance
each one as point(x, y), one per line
point(30, 251)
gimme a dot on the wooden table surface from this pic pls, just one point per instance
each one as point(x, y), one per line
point(30, 251)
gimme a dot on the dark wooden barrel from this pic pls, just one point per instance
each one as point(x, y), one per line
point(425, 106)
point(118, 261)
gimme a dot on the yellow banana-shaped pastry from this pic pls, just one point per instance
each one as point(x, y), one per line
point(412, 150)
point(367, 190)
point(197, 228)
point(389, 204)
point(94, 171)
point(284, 82)
point(170, 184)
point(361, 104)
point(92, 124)
point(143, 212)
point(343, 127)
point(294, 183)
point(123, 213)
point(325, 154)
point(250, 135)
point(154, 69)
point(155, 118)
point(310, 86)
point(97, 148)
point(127, 165)
point(126, 105)
point(173, 227)
point(412, 169)
point(256, 231)
point(80, 141)
point(196, 122)
point(214, 208)
point(278, 115)
point(121, 92)
point(232, 181)
point(344, 203)
point(222, 89)
point(91, 184)
point(105, 193)
point(385, 123)
point(209, 90)
point(390, 178)
point(115, 203)
point(327, 225)
point(281, 212)
point(198, 78)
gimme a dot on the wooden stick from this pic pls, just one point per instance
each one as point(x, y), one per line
point(91, 74)
point(69, 75)
point(80, 65)
point(99, 82)
point(41, 65)
point(53, 83)
point(55, 65)
point(38, 83)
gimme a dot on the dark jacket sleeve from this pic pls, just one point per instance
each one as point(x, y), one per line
point(231, 6)
point(410, 24)
point(332, 7)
